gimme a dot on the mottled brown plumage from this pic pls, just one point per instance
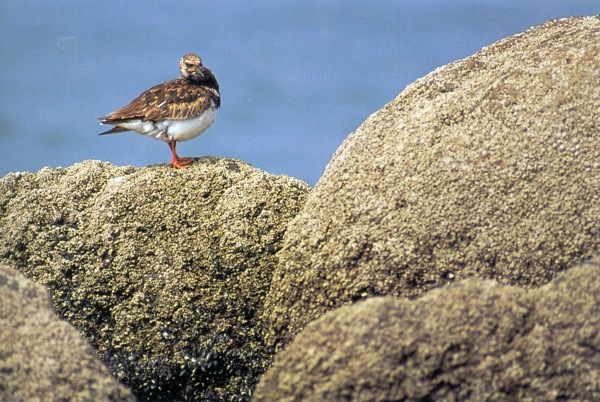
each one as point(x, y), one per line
point(173, 111)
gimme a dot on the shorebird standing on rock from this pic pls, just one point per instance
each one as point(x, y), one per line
point(174, 111)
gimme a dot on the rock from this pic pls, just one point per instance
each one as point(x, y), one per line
point(488, 167)
point(163, 270)
point(41, 356)
point(474, 340)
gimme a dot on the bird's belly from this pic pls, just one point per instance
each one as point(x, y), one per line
point(183, 130)
point(172, 130)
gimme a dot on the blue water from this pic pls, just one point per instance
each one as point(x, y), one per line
point(296, 76)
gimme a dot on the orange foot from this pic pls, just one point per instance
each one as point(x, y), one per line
point(181, 163)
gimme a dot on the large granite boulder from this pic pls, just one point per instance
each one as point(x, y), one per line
point(164, 271)
point(488, 167)
point(41, 356)
point(474, 340)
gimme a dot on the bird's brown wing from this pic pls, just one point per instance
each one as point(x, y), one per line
point(176, 99)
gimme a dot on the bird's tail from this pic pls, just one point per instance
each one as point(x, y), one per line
point(114, 130)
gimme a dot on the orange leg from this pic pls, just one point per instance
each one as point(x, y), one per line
point(178, 162)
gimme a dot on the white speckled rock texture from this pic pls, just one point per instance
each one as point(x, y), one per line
point(488, 167)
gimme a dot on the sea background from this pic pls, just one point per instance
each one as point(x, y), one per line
point(296, 77)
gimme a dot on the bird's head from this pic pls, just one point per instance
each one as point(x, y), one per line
point(191, 67)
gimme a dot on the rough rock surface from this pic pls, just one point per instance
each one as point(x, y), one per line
point(474, 340)
point(488, 167)
point(164, 271)
point(41, 356)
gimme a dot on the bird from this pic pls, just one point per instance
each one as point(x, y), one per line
point(174, 111)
